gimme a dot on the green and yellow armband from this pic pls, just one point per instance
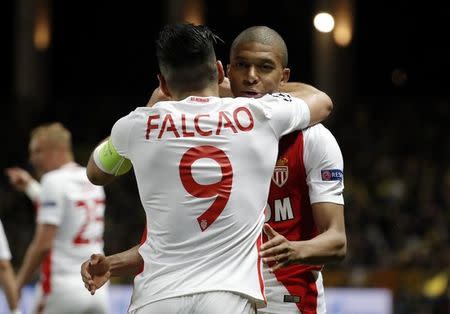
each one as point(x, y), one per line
point(109, 161)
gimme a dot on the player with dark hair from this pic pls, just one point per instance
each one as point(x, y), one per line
point(305, 215)
point(203, 166)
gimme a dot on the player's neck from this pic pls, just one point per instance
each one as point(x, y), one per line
point(212, 91)
point(65, 159)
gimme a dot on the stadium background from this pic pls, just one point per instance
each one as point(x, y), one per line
point(88, 63)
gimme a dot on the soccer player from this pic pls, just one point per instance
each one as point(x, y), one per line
point(301, 205)
point(69, 224)
point(305, 214)
point(203, 167)
point(7, 277)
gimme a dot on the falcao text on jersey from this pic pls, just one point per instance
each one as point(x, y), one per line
point(241, 120)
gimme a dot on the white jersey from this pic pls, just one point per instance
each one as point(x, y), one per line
point(203, 169)
point(5, 253)
point(77, 207)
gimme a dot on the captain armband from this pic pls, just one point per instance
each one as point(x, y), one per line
point(109, 161)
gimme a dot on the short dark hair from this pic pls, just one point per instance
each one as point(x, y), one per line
point(264, 35)
point(186, 56)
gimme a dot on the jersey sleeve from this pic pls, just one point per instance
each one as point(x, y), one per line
point(5, 253)
point(51, 203)
point(324, 166)
point(286, 113)
point(120, 134)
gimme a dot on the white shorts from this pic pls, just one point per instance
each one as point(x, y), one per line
point(215, 302)
point(70, 297)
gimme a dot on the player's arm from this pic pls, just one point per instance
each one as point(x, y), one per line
point(96, 271)
point(319, 103)
point(9, 284)
point(105, 164)
point(329, 246)
point(331, 243)
point(38, 249)
point(22, 181)
point(96, 175)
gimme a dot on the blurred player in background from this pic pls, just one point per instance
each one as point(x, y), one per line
point(203, 166)
point(7, 277)
point(70, 224)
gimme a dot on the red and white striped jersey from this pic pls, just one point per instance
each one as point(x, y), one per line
point(309, 169)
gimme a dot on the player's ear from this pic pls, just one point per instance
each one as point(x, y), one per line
point(221, 72)
point(285, 75)
point(163, 86)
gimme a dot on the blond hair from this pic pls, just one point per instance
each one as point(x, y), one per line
point(54, 134)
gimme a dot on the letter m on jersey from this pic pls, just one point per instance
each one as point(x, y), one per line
point(283, 209)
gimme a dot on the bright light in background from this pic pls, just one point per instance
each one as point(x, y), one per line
point(194, 12)
point(343, 31)
point(324, 22)
point(41, 35)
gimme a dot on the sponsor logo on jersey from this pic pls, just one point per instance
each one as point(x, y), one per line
point(48, 204)
point(281, 172)
point(203, 224)
point(291, 299)
point(332, 175)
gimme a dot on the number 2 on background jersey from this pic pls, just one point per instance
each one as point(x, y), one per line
point(221, 189)
point(90, 210)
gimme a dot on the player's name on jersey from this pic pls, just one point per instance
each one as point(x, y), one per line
point(240, 120)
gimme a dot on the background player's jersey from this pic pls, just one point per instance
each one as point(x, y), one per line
point(203, 168)
point(77, 207)
point(309, 169)
point(5, 252)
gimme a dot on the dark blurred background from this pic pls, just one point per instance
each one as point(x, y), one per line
point(386, 65)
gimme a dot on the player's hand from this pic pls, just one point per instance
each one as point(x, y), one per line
point(95, 272)
point(277, 252)
point(225, 88)
point(157, 96)
point(19, 178)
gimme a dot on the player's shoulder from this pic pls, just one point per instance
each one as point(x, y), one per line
point(127, 121)
point(318, 134)
point(317, 130)
point(55, 176)
point(61, 174)
point(138, 112)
